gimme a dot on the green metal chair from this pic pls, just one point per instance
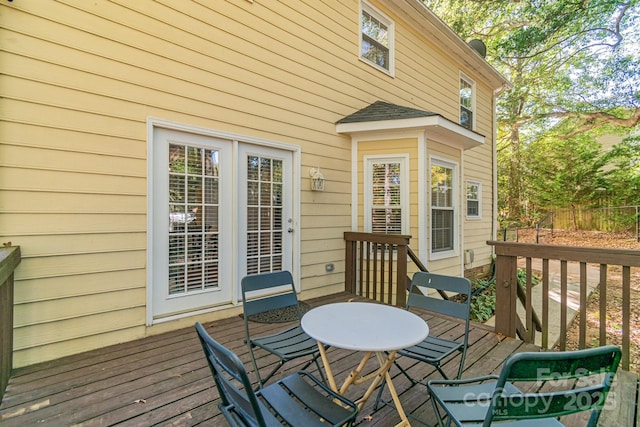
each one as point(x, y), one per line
point(299, 399)
point(288, 344)
point(533, 389)
point(434, 350)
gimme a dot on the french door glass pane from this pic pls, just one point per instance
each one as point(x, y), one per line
point(194, 190)
point(264, 214)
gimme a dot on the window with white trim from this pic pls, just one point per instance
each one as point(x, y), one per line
point(376, 38)
point(386, 201)
point(467, 101)
point(474, 207)
point(443, 206)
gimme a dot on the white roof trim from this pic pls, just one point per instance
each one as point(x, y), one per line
point(435, 127)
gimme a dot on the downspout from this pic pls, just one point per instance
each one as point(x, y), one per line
point(494, 175)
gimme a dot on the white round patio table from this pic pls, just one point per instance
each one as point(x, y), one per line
point(370, 328)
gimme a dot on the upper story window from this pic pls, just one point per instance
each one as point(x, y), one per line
point(386, 204)
point(376, 38)
point(443, 206)
point(467, 102)
point(474, 190)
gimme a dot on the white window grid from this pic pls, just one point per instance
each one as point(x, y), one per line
point(376, 42)
point(474, 199)
point(467, 102)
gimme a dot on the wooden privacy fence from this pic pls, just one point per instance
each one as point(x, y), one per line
point(590, 262)
point(376, 266)
point(9, 260)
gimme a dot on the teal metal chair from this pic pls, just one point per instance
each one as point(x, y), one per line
point(434, 350)
point(276, 291)
point(299, 399)
point(533, 389)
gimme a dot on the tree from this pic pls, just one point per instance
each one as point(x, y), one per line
point(575, 72)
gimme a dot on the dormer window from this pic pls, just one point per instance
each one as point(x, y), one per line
point(467, 102)
point(376, 38)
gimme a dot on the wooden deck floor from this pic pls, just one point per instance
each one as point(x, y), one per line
point(164, 380)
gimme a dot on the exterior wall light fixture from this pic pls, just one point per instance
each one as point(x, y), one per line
point(317, 179)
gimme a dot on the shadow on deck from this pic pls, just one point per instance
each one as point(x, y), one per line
point(164, 380)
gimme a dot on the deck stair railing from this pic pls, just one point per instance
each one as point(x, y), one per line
point(9, 260)
point(603, 266)
point(377, 266)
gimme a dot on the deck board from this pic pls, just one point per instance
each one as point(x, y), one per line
point(164, 380)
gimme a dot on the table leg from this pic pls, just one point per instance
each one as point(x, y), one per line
point(385, 362)
point(385, 365)
point(354, 376)
point(327, 367)
point(392, 390)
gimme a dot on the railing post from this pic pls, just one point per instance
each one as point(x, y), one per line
point(401, 278)
point(506, 295)
point(350, 266)
point(9, 260)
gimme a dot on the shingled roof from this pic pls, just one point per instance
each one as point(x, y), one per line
point(380, 110)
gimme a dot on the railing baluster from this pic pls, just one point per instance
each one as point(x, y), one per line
point(563, 305)
point(545, 303)
point(583, 305)
point(361, 264)
point(603, 304)
point(626, 316)
point(367, 254)
point(375, 267)
point(390, 276)
point(528, 308)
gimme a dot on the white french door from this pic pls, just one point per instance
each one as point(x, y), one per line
point(265, 214)
point(220, 209)
point(191, 222)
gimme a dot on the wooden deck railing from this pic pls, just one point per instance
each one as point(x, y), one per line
point(606, 261)
point(9, 260)
point(376, 266)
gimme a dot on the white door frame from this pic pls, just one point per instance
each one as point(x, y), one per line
point(152, 124)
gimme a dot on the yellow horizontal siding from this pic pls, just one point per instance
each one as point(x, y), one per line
point(42, 201)
point(48, 288)
point(79, 80)
point(70, 265)
point(67, 181)
point(37, 346)
point(64, 160)
point(37, 136)
point(56, 310)
point(68, 329)
point(41, 245)
point(32, 224)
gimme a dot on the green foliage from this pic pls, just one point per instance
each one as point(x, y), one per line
point(575, 71)
point(483, 303)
